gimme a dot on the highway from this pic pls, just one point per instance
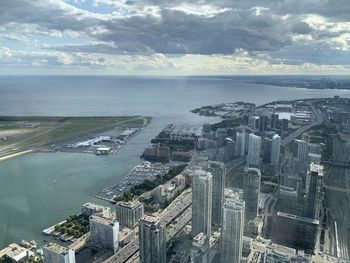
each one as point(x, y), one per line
point(175, 216)
point(337, 199)
point(235, 163)
point(318, 120)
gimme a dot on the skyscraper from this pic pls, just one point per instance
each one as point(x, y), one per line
point(254, 150)
point(232, 231)
point(218, 171)
point(200, 249)
point(201, 202)
point(240, 142)
point(312, 185)
point(274, 121)
point(152, 240)
point(301, 151)
point(275, 149)
point(251, 193)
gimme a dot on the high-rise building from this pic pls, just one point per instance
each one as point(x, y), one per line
point(129, 213)
point(202, 185)
point(104, 232)
point(295, 231)
point(152, 240)
point(275, 149)
point(312, 190)
point(240, 142)
point(232, 231)
point(301, 151)
point(254, 150)
point(200, 249)
point(55, 253)
point(218, 171)
point(254, 122)
point(251, 193)
point(263, 120)
point(274, 121)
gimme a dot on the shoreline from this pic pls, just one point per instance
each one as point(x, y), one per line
point(14, 155)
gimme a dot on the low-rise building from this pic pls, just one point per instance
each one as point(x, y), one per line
point(16, 253)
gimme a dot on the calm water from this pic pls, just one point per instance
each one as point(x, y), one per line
point(29, 201)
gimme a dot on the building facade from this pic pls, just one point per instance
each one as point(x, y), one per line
point(251, 191)
point(275, 149)
point(232, 231)
point(218, 171)
point(55, 253)
point(104, 232)
point(129, 213)
point(202, 185)
point(254, 150)
point(152, 240)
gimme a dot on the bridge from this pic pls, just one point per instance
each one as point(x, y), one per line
point(337, 164)
point(339, 189)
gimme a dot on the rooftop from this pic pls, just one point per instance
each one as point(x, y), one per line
point(102, 220)
point(15, 252)
point(56, 248)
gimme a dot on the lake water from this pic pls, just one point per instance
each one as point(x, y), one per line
point(29, 201)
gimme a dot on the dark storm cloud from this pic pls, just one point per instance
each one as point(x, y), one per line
point(301, 28)
point(265, 26)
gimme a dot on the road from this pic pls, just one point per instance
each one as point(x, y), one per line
point(318, 120)
point(338, 201)
point(175, 216)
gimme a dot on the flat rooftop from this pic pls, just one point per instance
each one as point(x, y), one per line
point(102, 220)
point(56, 248)
point(15, 252)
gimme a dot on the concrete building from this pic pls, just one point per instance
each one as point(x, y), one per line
point(275, 149)
point(266, 149)
point(232, 231)
point(152, 240)
point(274, 121)
point(263, 120)
point(16, 253)
point(251, 191)
point(156, 152)
point(312, 190)
point(200, 249)
point(254, 150)
point(55, 253)
point(276, 256)
point(240, 142)
point(295, 231)
point(218, 171)
point(301, 151)
point(129, 213)
point(104, 232)
point(202, 185)
point(89, 209)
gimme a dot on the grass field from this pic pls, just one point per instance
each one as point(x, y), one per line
point(30, 133)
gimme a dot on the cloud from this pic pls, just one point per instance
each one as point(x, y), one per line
point(159, 34)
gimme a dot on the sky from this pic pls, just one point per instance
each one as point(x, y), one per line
point(175, 37)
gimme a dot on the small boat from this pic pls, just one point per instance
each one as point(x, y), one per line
point(54, 181)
